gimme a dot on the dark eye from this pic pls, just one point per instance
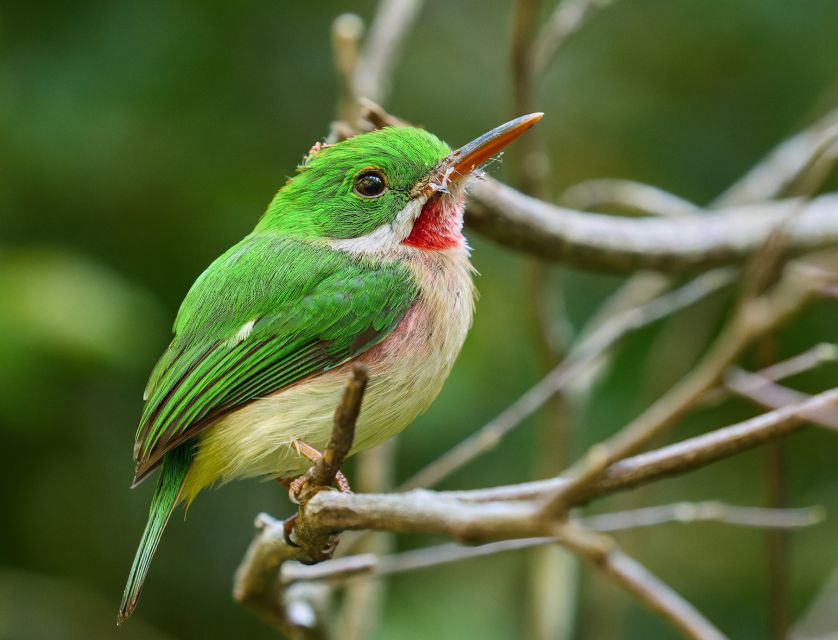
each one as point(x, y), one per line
point(370, 184)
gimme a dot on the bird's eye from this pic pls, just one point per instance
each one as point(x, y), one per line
point(370, 183)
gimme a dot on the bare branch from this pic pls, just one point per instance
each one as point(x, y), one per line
point(711, 511)
point(786, 164)
point(503, 512)
point(626, 195)
point(474, 516)
point(675, 459)
point(676, 244)
point(347, 30)
point(581, 356)
point(568, 18)
point(772, 395)
point(604, 554)
point(294, 612)
point(322, 473)
point(755, 317)
point(810, 359)
point(380, 53)
point(367, 564)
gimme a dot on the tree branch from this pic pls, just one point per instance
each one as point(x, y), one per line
point(794, 159)
point(627, 195)
point(578, 360)
point(298, 612)
point(769, 394)
point(371, 565)
point(673, 244)
point(675, 459)
point(604, 554)
point(380, 53)
point(754, 318)
point(479, 515)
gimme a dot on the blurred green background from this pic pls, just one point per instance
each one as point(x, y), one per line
point(138, 140)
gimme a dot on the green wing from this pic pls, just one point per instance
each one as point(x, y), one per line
point(267, 313)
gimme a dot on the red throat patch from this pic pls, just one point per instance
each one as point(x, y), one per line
point(439, 225)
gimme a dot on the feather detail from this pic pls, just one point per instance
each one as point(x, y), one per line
point(407, 370)
point(175, 466)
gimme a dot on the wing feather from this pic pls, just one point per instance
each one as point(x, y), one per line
point(309, 309)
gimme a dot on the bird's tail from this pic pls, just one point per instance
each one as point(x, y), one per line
point(172, 473)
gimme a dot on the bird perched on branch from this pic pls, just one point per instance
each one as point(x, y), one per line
point(359, 258)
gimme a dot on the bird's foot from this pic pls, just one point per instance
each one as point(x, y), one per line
point(342, 483)
point(288, 530)
point(295, 486)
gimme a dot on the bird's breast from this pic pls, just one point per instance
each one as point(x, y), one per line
point(407, 370)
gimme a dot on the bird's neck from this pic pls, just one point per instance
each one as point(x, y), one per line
point(439, 225)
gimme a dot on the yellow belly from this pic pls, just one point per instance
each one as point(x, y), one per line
point(407, 371)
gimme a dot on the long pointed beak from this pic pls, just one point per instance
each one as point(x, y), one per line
point(472, 155)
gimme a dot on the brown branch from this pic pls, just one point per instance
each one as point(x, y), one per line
point(568, 18)
point(674, 244)
point(295, 612)
point(604, 554)
point(371, 565)
point(486, 514)
point(755, 317)
point(322, 473)
point(574, 365)
point(794, 159)
point(810, 359)
point(675, 459)
point(769, 394)
point(380, 53)
point(627, 195)
point(500, 512)
point(710, 511)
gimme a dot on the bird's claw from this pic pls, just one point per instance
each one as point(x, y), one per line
point(288, 530)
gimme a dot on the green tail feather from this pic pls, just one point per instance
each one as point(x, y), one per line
point(173, 471)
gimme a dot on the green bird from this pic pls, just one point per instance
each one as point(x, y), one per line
point(360, 257)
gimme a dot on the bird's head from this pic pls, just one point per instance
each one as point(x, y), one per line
point(377, 192)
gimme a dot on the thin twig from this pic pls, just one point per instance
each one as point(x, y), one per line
point(673, 244)
point(299, 613)
point(380, 54)
point(372, 565)
point(322, 473)
point(503, 512)
point(767, 393)
point(568, 18)
point(710, 511)
point(632, 576)
point(627, 195)
point(785, 165)
point(580, 357)
point(817, 356)
point(675, 459)
point(753, 319)
point(486, 514)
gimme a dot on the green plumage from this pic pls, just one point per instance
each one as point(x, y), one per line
point(278, 307)
point(175, 466)
point(320, 309)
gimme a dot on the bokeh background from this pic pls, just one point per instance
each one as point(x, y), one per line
point(138, 140)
